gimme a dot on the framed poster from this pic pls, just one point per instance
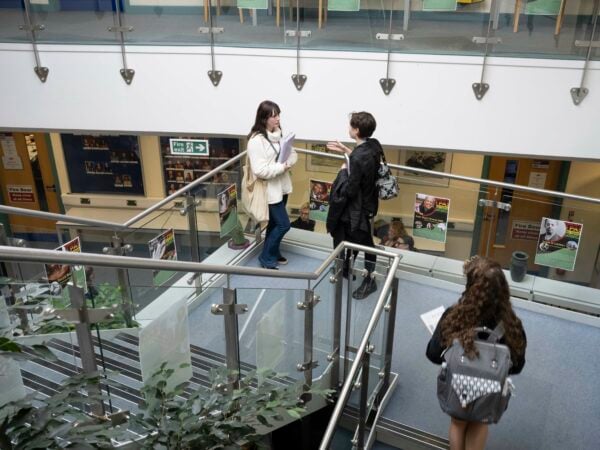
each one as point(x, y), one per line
point(428, 160)
point(103, 164)
point(322, 163)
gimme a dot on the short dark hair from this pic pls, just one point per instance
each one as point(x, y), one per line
point(364, 122)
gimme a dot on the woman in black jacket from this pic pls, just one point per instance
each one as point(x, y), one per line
point(354, 200)
point(485, 302)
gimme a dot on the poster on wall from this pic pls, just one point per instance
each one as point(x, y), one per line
point(558, 243)
point(228, 216)
point(319, 199)
point(431, 217)
point(63, 273)
point(103, 164)
point(163, 247)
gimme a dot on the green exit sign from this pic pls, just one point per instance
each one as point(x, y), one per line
point(193, 147)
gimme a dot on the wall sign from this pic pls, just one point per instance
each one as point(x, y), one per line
point(526, 230)
point(191, 147)
point(20, 193)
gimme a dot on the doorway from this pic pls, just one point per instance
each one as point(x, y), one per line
point(504, 231)
point(28, 181)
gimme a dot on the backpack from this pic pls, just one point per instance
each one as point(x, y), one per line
point(478, 389)
point(386, 183)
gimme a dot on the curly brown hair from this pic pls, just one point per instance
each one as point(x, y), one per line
point(486, 299)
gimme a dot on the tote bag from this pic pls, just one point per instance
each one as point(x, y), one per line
point(254, 195)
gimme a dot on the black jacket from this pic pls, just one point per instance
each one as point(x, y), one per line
point(435, 348)
point(354, 198)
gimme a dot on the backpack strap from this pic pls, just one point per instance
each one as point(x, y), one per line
point(493, 335)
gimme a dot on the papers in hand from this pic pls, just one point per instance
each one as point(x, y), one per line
point(286, 143)
point(431, 318)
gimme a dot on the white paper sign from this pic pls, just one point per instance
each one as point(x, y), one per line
point(537, 180)
point(431, 318)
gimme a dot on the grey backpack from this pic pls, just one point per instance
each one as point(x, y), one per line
point(478, 389)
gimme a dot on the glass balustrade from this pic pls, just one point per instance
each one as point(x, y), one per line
point(537, 29)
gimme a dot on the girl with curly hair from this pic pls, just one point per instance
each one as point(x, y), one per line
point(485, 302)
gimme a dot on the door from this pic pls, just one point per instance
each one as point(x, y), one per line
point(28, 181)
point(504, 232)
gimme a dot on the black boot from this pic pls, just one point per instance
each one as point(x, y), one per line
point(367, 287)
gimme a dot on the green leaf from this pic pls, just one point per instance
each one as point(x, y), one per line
point(293, 413)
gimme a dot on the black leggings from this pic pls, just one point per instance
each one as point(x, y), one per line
point(343, 233)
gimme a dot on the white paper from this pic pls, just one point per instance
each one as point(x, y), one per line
point(431, 318)
point(285, 147)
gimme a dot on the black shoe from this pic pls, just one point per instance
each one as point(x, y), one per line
point(367, 287)
point(282, 260)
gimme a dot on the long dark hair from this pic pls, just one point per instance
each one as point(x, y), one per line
point(486, 298)
point(265, 110)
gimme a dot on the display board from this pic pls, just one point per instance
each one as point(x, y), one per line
point(181, 168)
point(103, 164)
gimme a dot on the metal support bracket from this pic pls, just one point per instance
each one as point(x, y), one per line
point(225, 310)
point(579, 93)
point(387, 83)
point(495, 204)
point(303, 367)
point(309, 304)
point(298, 79)
point(481, 88)
point(84, 315)
point(486, 40)
point(31, 29)
point(303, 33)
point(126, 73)
point(593, 44)
point(214, 75)
point(387, 36)
point(213, 30)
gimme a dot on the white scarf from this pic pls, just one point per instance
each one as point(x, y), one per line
point(274, 136)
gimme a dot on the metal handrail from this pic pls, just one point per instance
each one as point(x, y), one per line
point(184, 190)
point(362, 348)
point(19, 254)
point(203, 178)
point(60, 217)
point(451, 176)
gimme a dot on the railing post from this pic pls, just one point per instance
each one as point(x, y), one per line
point(229, 310)
point(388, 332)
point(87, 353)
point(337, 322)
point(310, 301)
point(190, 210)
point(364, 398)
point(117, 248)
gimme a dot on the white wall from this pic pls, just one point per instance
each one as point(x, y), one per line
point(528, 109)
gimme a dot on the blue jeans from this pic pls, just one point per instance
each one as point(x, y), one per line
point(279, 224)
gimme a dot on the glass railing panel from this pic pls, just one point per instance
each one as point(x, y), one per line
point(163, 23)
point(74, 21)
point(271, 332)
point(543, 29)
point(324, 320)
point(443, 27)
point(557, 236)
point(11, 18)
